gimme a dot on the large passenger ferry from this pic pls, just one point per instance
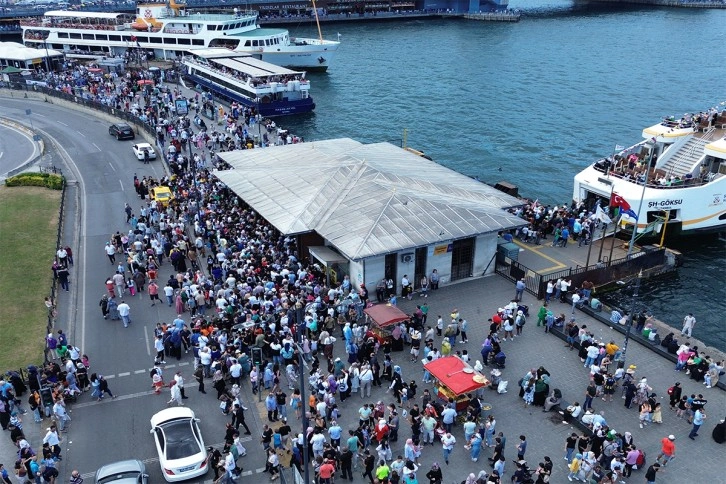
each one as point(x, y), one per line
point(168, 30)
point(673, 180)
point(271, 90)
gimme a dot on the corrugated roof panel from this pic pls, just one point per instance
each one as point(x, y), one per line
point(365, 199)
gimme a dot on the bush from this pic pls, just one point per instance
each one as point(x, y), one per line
point(48, 180)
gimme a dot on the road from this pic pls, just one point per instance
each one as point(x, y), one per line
point(16, 148)
point(110, 430)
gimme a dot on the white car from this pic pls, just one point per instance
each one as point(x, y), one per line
point(141, 148)
point(179, 443)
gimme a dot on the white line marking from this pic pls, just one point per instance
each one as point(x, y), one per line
point(121, 183)
point(110, 376)
point(105, 400)
point(80, 133)
point(126, 373)
point(94, 144)
point(41, 115)
point(139, 372)
point(61, 122)
point(148, 345)
point(184, 364)
point(170, 366)
point(1, 154)
point(111, 165)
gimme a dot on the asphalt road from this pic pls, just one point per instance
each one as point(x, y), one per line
point(16, 148)
point(102, 432)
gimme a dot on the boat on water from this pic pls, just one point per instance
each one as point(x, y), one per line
point(167, 29)
point(673, 181)
point(270, 89)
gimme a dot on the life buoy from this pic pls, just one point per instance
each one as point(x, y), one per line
point(147, 13)
point(261, 49)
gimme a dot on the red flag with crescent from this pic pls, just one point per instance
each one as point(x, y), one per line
point(618, 201)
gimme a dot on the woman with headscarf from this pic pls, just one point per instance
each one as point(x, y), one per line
point(434, 474)
point(218, 383)
point(471, 479)
point(381, 430)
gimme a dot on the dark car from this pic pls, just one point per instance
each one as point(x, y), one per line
point(121, 131)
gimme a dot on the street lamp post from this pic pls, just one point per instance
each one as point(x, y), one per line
point(629, 324)
point(300, 328)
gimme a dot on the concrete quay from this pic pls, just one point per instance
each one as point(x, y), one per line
point(476, 301)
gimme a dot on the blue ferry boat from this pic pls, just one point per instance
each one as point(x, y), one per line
point(270, 89)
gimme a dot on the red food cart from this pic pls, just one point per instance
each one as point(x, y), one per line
point(455, 379)
point(382, 317)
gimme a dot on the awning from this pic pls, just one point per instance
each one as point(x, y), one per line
point(456, 375)
point(385, 315)
point(326, 255)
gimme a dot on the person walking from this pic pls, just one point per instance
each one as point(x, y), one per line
point(103, 387)
point(124, 310)
point(698, 418)
point(519, 288)
point(651, 473)
point(180, 384)
point(447, 443)
point(688, 323)
point(53, 440)
point(238, 418)
point(667, 450)
point(176, 395)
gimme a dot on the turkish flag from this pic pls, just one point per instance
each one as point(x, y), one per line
point(618, 201)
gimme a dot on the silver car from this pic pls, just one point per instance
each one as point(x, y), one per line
point(130, 471)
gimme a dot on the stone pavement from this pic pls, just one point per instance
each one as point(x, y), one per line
point(477, 300)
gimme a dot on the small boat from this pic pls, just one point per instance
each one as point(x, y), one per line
point(673, 181)
point(166, 29)
point(269, 89)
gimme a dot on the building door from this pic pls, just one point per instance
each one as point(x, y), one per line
point(462, 259)
point(390, 270)
point(420, 268)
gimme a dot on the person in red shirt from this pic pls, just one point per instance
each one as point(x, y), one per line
point(667, 450)
point(326, 472)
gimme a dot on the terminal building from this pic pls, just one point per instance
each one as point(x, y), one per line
point(371, 211)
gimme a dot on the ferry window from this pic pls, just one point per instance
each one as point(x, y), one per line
point(155, 40)
point(267, 41)
point(88, 36)
point(74, 35)
point(116, 38)
point(211, 27)
point(254, 43)
point(197, 41)
point(169, 40)
point(184, 41)
point(142, 39)
point(101, 37)
point(247, 43)
point(62, 35)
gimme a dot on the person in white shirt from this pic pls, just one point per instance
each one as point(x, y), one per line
point(366, 378)
point(180, 383)
point(447, 442)
point(124, 310)
point(688, 323)
point(176, 395)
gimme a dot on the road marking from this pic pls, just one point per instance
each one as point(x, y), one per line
point(109, 376)
point(183, 364)
point(62, 123)
point(94, 144)
point(126, 373)
point(121, 183)
point(148, 345)
point(1, 154)
point(139, 372)
point(122, 397)
point(111, 165)
point(41, 115)
point(81, 133)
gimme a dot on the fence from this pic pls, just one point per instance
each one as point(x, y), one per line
point(80, 100)
point(536, 283)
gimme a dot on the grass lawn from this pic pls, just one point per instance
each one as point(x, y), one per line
point(28, 229)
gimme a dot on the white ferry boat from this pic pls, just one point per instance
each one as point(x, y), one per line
point(270, 89)
point(168, 30)
point(678, 171)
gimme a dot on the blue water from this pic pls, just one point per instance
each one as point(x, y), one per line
point(533, 103)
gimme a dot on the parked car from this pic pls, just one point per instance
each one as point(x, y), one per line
point(131, 471)
point(121, 131)
point(179, 443)
point(142, 149)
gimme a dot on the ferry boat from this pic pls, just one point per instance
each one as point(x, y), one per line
point(673, 181)
point(270, 89)
point(168, 30)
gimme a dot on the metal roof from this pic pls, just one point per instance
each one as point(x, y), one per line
point(365, 199)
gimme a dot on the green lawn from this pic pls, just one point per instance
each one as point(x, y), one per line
point(28, 229)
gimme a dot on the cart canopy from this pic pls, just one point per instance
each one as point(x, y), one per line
point(385, 315)
point(456, 375)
